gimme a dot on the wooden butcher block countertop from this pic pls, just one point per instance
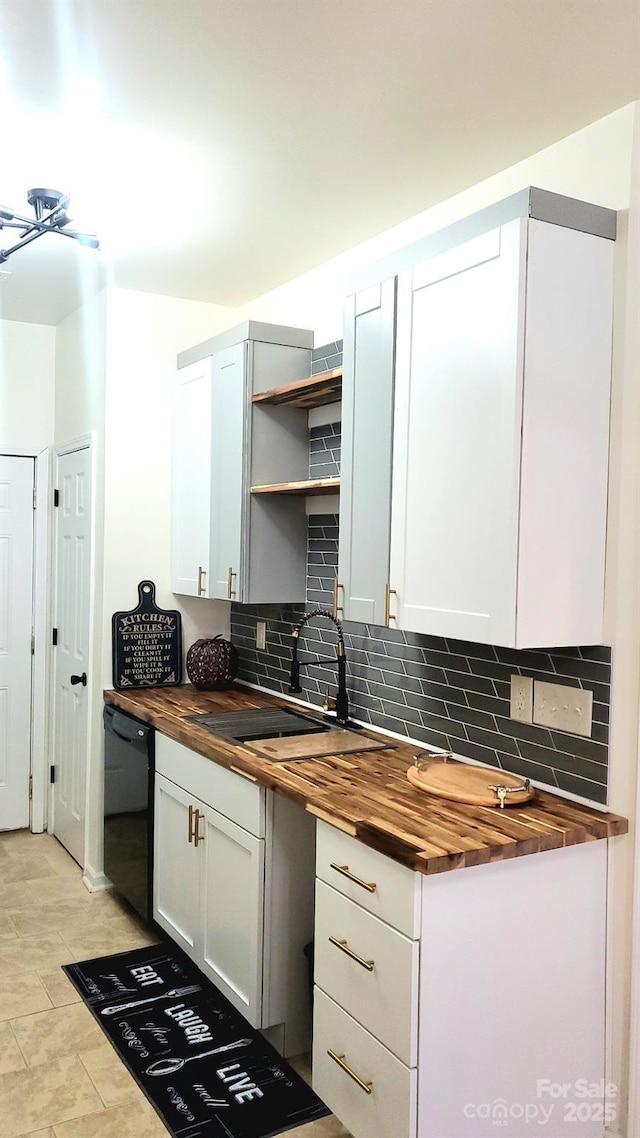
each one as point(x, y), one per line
point(367, 794)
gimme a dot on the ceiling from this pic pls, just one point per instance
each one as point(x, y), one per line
point(221, 147)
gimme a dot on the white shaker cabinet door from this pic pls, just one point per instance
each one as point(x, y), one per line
point(228, 481)
point(457, 439)
point(367, 430)
point(232, 898)
point(176, 900)
point(191, 480)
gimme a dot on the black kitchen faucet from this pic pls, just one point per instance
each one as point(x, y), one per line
point(341, 702)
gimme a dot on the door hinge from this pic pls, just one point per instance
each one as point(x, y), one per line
point(30, 787)
point(56, 497)
point(54, 636)
point(34, 497)
point(52, 774)
point(33, 643)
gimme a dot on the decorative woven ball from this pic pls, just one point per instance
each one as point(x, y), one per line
point(212, 663)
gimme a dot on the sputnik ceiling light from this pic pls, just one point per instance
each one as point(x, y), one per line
point(50, 208)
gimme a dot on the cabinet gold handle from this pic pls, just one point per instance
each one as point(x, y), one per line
point(370, 886)
point(230, 590)
point(388, 615)
point(201, 576)
point(197, 836)
point(337, 607)
point(191, 834)
point(344, 947)
point(339, 1059)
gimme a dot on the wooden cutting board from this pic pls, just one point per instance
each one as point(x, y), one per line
point(336, 741)
point(463, 783)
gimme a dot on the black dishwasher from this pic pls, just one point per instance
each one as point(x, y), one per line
point(128, 807)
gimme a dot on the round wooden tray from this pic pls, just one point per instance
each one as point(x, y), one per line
point(462, 783)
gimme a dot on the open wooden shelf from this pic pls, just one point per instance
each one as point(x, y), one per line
point(315, 391)
point(311, 486)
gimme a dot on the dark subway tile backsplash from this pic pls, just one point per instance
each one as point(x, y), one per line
point(326, 357)
point(438, 706)
point(444, 693)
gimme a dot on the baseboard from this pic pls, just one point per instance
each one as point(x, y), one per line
point(95, 882)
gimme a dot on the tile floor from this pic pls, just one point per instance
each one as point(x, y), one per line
point(59, 1077)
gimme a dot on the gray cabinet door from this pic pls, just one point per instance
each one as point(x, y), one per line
point(367, 429)
point(228, 457)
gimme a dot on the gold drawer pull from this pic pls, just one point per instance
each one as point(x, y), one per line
point(370, 886)
point(201, 576)
point(191, 813)
point(230, 589)
point(197, 836)
point(339, 1059)
point(344, 947)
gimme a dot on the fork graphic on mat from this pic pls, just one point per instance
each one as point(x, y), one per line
point(170, 995)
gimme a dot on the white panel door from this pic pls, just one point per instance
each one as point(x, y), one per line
point(228, 462)
point(176, 878)
point(367, 429)
point(457, 439)
point(72, 592)
point(232, 900)
point(191, 480)
point(16, 604)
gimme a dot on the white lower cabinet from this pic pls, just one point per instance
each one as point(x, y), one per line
point(224, 889)
point(366, 973)
point(495, 997)
point(370, 969)
point(176, 901)
point(369, 1090)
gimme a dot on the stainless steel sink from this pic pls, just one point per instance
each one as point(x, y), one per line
point(260, 723)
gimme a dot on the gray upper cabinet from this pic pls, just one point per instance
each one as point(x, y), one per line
point(256, 547)
point(367, 431)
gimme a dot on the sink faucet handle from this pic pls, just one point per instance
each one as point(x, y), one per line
point(329, 703)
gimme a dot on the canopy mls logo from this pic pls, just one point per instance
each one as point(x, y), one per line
point(568, 1102)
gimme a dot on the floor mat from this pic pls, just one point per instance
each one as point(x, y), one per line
point(200, 1063)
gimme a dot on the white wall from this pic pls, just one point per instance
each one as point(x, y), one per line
point(27, 385)
point(80, 371)
point(593, 164)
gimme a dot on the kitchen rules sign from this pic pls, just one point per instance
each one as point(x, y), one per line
point(147, 643)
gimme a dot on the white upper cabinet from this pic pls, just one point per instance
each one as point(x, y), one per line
point(228, 459)
point(191, 480)
point(227, 543)
point(500, 430)
point(367, 431)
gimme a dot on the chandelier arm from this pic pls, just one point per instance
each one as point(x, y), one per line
point(29, 225)
point(4, 253)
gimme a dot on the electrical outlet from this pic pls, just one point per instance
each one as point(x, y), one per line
point(566, 709)
point(261, 634)
point(521, 699)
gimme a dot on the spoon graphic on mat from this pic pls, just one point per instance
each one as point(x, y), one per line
point(170, 995)
point(169, 1065)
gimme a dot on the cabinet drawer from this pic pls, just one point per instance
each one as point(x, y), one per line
point(380, 988)
point(389, 1111)
point(230, 794)
point(382, 886)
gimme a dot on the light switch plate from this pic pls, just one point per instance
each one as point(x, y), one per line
point(521, 699)
point(565, 709)
point(261, 634)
